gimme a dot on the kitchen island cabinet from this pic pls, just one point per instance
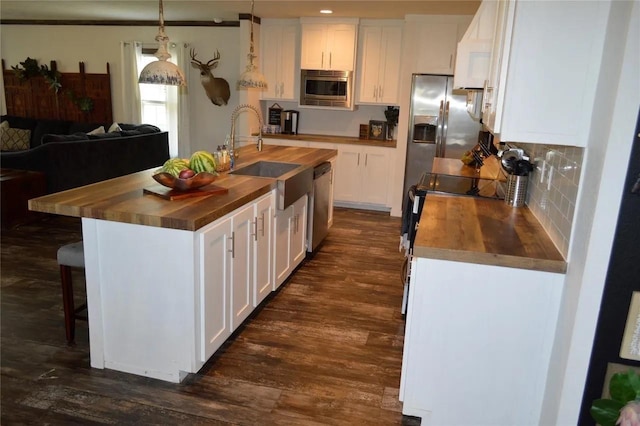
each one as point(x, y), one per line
point(290, 236)
point(485, 289)
point(169, 281)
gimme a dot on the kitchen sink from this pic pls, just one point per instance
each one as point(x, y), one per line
point(293, 180)
point(271, 169)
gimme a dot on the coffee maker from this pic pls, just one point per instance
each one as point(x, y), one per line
point(289, 122)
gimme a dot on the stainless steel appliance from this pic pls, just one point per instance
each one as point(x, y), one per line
point(289, 122)
point(326, 88)
point(318, 223)
point(439, 126)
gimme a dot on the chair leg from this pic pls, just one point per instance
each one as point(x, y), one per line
point(68, 304)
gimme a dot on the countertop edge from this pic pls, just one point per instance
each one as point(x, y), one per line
point(492, 259)
point(333, 139)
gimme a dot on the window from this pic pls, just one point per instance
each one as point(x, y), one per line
point(159, 104)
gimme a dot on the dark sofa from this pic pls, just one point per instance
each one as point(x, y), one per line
point(69, 157)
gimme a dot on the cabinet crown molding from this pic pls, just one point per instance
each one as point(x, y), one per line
point(314, 20)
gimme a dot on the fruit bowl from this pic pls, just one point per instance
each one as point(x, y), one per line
point(199, 180)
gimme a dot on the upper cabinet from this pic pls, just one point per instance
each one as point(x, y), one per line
point(433, 42)
point(328, 45)
point(544, 71)
point(379, 62)
point(278, 57)
point(473, 55)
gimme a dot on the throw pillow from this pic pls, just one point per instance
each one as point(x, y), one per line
point(4, 125)
point(15, 139)
point(115, 127)
point(98, 131)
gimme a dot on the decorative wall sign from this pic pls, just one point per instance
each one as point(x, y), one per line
point(275, 111)
point(630, 348)
point(377, 130)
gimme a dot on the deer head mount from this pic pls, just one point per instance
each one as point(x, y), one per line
point(217, 89)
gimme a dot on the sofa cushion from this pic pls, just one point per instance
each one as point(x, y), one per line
point(109, 135)
point(46, 127)
point(14, 139)
point(65, 138)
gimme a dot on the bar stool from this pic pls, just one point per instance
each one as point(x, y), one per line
point(70, 256)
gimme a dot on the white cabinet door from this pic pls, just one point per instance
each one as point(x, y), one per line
point(299, 231)
point(380, 50)
point(375, 176)
point(362, 175)
point(543, 82)
point(215, 263)
point(281, 245)
point(348, 173)
point(278, 38)
point(262, 259)
point(437, 44)
point(341, 45)
point(328, 46)
point(241, 275)
point(313, 45)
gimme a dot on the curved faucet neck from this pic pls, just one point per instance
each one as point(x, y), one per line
point(234, 115)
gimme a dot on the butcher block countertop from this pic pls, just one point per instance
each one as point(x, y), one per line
point(122, 199)
point(484, 231)
point(332, 139)
point(455, 167)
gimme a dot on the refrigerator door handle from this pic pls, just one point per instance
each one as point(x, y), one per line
point(439, 128)
point(445, 127)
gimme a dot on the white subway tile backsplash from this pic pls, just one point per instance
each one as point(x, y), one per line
point(554, 205)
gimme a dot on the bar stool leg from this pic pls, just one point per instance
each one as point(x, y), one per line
point(68, 304)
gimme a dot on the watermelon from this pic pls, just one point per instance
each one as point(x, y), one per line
point(202, 161)
point(174, 166)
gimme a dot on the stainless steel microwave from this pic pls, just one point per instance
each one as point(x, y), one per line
point(326, 88)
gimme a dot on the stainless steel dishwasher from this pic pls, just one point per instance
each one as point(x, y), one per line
point(318, 224)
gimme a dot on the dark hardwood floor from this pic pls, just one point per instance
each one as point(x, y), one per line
point(326, 349)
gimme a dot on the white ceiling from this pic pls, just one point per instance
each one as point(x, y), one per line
point(208, 10)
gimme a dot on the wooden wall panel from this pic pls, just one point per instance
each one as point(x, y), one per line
point(34, 99)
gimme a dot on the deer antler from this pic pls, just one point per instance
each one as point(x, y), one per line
point(215, 58)
point(192, 53)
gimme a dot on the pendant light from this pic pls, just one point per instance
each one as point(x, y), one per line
point(162, 71)
point(251, 78)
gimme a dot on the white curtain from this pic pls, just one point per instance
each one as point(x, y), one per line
point(3, 101)
point(179, 140)
point(131, 54)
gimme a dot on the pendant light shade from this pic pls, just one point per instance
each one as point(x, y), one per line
point(162, 71)
point(251, 78)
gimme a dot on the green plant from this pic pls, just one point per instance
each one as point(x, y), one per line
point(30, 68)
point(624, 404)
point(391, 114)
point(84, 104)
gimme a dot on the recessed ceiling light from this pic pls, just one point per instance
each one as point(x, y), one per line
point(326, 11)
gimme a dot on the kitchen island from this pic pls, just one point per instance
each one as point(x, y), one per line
point(485, 289)
point(168, 281)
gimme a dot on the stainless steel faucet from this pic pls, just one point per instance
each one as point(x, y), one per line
point(232, 139)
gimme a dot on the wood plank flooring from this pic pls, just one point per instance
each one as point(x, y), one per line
point(326, 349)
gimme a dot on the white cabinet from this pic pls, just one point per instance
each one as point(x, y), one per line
point(379, 64)
point(215, 273)
point(328, 46)
point(362, 175)
point(290, 235)
point(262, 258)
point(278, 57)
point(543, 77)
point(432, 41)
point(473, 56)
point(234, 271)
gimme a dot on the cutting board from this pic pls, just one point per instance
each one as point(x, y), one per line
point(172, 194)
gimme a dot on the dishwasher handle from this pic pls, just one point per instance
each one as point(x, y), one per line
point(321, 169)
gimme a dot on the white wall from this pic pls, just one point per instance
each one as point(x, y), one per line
point(98, 45)
point(605, 166)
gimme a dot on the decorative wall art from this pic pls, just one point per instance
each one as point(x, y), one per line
point(377, 130)
point(217, 88)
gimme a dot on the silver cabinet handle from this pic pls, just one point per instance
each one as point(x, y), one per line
point(366, 159)
point(322, 60)
point(255, 229)
point(375, 92)
point(358, 159)
point(450, 60)
point(262, 220)
point(233, 245)
point(329, 59)
point(380, 92)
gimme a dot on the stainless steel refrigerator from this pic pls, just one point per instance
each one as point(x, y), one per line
point(440, 125)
